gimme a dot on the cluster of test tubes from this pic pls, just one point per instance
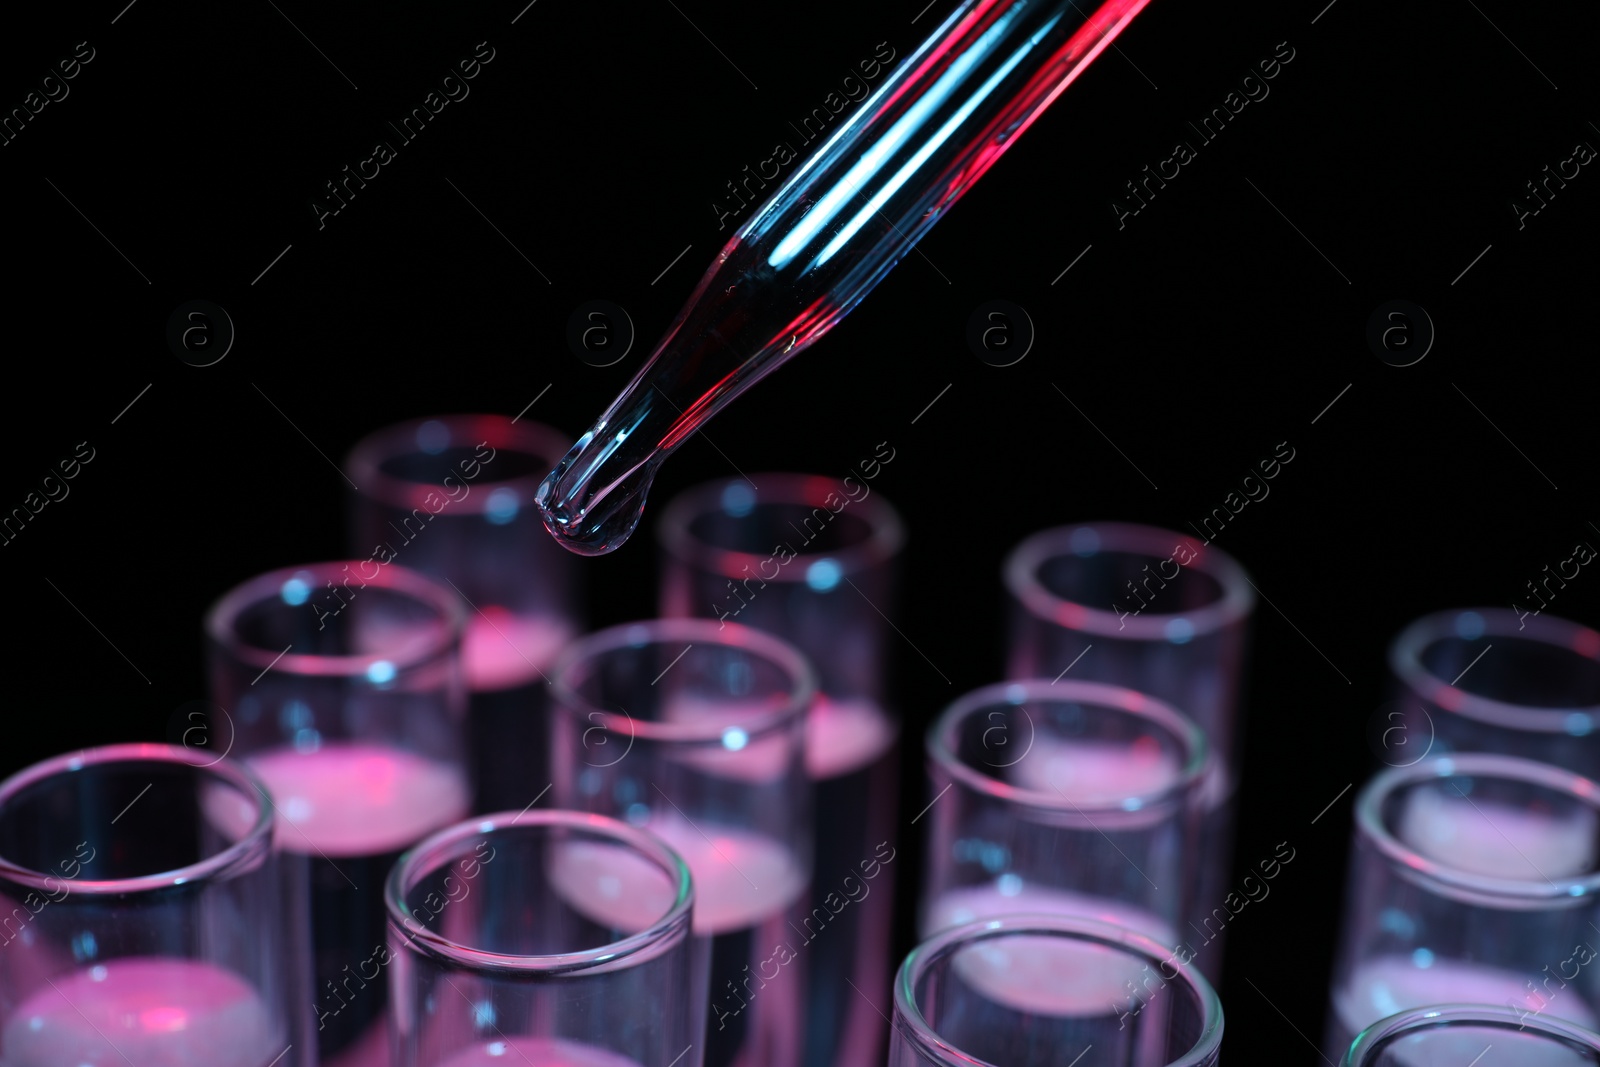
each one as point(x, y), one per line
point(428, 819)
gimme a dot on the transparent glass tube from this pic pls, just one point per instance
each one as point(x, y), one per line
point(452, 497)
point(695, 730)
point(542, 939)
point(826, 237)
point(816, 562)
point(1473, 879)
point(341, 685)
point(1069, 799)
point(146, 916)
point(1154, 611)
point(1025, 991)
point(1490, 680)
point(1472, 1034)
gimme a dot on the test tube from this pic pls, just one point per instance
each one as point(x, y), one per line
point(542, 939)
point(695, 730)
point(1031, 991)
point(1069, 799)
point(340, 684)
point(1155, 611)
point(1473, 1035)
point(146, 915)
point(1493, 680)
point(1473, 879)
point(452, 497)
point(815, 561)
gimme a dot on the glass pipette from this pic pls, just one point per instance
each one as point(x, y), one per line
point(830, 233)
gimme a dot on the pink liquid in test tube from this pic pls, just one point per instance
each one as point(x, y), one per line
point(845, 735)
point(1046, 975)
point(1487, 838)
point(740, 878)
point(744, 884)
point(1080, 772)
point(352, 799)
point(1381, 987)
point(1095, 772)
point(370, 1050)
point(148, 1011)
point(501, 650)
point(1473, 883)
point(1043, 976)
point(359, 799)
point(1389, 984)
point(610, 885)
point(719, 734)
point(562, 993)
point(740, 757)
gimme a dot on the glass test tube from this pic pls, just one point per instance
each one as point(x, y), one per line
point(1029, 991)
point(452, 497)
point(1069, 799)
point(695, 730)
point(341, 686)
point(1489, 680)
point(146, 916)
point(1473, 1035)
point(1473, 879)
point(1155, 611)
point(815, 561)
point(542, 939)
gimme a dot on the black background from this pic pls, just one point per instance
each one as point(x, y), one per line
point(1197, 338)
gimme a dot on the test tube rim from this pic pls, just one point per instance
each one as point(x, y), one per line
point(674, 922)
point(1405, 660)
point(226, 610)
point(1021, 569)
point(908, 1017)
point(1184, 787)
point(802, 693)
point(535, 439)
point(244, 855)
point(1442, 1016)
point(885, 539)
point(1441, 878)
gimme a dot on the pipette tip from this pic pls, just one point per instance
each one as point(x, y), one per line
point(599, 525)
